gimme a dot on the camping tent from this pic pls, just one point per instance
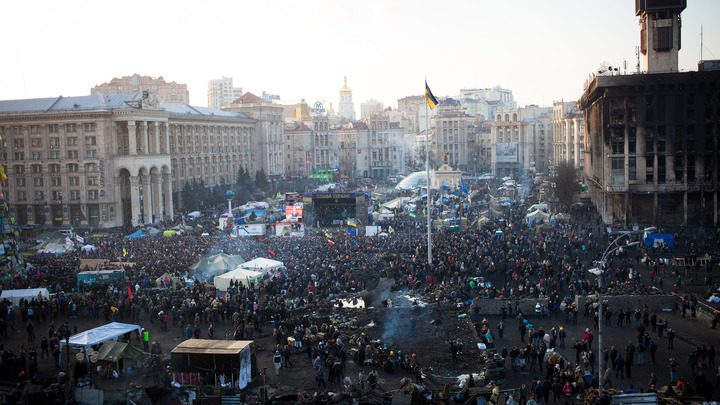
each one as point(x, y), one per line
point(100, 334)
point(263, 265)
point(28, 294)
point(136, 234)
point(111, 355)
point(235, 359)
point(207, 268)
point(88, 248)
point(222, 282)
point(537, 215)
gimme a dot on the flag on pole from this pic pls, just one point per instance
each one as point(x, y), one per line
point(232, 236)
point(124, 252)
point(271, 252)
point(130, 293)
point(463, 187)
point(390, 229)
point(431, 100)
point(356, 242)
point(328, 234)
point(412, 214)
point(199, 226)
point(352, 231)
point(331, 242)
point(351, 222)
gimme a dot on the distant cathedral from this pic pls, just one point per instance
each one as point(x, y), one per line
point(346, 108)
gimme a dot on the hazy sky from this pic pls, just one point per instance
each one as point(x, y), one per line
point(543, 50)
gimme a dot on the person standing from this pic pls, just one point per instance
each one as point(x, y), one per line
point(30, 331)
point(146, 340)
point(277, 359)
point(619, 366)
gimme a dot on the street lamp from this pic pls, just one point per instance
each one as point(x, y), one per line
point(599, 271)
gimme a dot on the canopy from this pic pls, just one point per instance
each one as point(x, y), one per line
point(562, 217)
point(88, 248)
point(393, 204)
point(16, 295)
point(115, 351)
point(55, 248)
point(100, 334)
point(262, 265)
point(207, 268)
point(245, 276)
point(136, 234)
point(538, 215)
point(233, 358)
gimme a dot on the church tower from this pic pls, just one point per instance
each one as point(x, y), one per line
point(660, 33)
point(346, 108)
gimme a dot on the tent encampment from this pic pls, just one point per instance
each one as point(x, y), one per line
point(100, 334)
point(207, 268)
point(56, 248)
point(245, 276)
point(28, 294)
point(137, 234)
point(112, 355)
point(538, 215)
point(263, 265)
point(233, 359)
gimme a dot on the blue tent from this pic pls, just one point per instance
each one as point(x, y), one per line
point(136, 234)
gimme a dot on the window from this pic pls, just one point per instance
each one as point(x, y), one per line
point(72, 154)
point(37, 181)
point(72, 168)
point(34, 129)
point(36, 169)
point(54, 168)
point(74, 181)
point(21, 196)
point(36, 142)
point(57, 195)
point(54, 154)
point(37, 156)
point(19, 155)
point(39, 195)
point(56, 181)
point(74, 194)
point(91, 153)
point(618, 146)
point(70, 128)
point(19, 143)
point(92, 194)
point(90, 140)
point(664, 39)
point(92, 181)
point(71, 141)
point(19, 169)
point(54, 143)
point(53, 128)
point(20, 182)
point(89, 127)
point(632, 169)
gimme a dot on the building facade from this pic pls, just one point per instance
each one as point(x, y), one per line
point(110, 160)
point(486, 101)
point(346, 107)
point(370, 108)
point(521, 141)
point(173, 93)
point(222, 92)
point(268, 133)
point(568, 134)
point(455, 139)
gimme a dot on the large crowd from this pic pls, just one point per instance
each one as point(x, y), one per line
point(519, 262)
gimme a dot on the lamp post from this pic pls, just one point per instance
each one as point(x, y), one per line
point(599, 271)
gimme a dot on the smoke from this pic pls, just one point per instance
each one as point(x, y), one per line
point(525, 182)
point(392, 326)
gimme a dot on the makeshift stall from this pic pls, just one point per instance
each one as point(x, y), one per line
point(100, 334)
point(263, 265)
point(229, 360)
point(245, 276)
point(29, 293)
point(112, 355)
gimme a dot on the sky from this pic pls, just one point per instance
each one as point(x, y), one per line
point(542, 50)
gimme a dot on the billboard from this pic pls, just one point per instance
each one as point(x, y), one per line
point(293, 211)
point(506, 152)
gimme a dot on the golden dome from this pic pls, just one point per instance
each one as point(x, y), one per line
point(345, 88)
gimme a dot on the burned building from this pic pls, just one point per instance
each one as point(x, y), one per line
point(651, 139)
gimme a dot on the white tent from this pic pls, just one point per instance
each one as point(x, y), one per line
point(538, 215)
point(262, 265)
point(100, 334)
point(29, 293)
point(222, 282)
point(88, 248)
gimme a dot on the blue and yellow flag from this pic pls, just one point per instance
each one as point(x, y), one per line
point(412, 214)
point(463, 187)
point(390, 229)
point(431, 100)
point(352, 231)
point(199, 226)
point(351, 222)
point(124, 252)
point(328, 234)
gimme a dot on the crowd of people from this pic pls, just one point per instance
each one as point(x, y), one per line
point(520, 262)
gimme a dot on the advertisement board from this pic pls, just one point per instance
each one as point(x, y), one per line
point(293, 211)
point(251, 230)
point(506, 152)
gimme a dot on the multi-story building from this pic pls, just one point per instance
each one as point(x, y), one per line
point(568, 133)
point(173, 93)
point(370, 108)
point(268, 146)
point(486, 101)
point(110, 160)
point(346, 107)
point(298, 157)
point(651, 140)
point(521, 141)
point(380, 147)
point(416, 116)
point(221, 92)
point(454, 137)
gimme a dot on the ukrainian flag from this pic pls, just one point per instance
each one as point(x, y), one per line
point(328, 234)
point(351, 222)
point(412, 214)
point(431, 100)
point(391, 230)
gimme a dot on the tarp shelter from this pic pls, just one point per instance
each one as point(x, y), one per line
point(55, 248)
point(263, 265)
point(657, 239)
point(562, 217)
point(207, 268)
point(153, 231)
point(537, 215)
point(29, 293)
point(245, 276)
point(169, 233)
point(393, 204)
point(136, 234)
point(88, 248)
point(233, 359)
point(194, 214)
point(112, 355)
point(100, 334)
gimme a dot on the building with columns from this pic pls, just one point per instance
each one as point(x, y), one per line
point(568, 134)
point(172, 92)
point(107, 160)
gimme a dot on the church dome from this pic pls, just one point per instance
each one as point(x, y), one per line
point(345, 88)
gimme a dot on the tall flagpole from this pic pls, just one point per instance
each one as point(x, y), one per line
point(427, 169)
